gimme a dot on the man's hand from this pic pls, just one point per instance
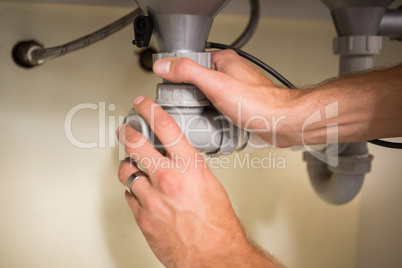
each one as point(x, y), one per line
point(240, 91)
point(181, 208)
point(366, 105)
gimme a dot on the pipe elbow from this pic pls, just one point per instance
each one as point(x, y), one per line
point(334, 188)
point(340, 184)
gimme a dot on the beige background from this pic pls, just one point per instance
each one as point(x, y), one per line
point(62, 206)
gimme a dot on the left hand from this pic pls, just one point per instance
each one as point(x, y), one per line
point(242, 93)
point(181, 208)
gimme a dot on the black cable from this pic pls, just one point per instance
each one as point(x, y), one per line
point(283, 80)
point(254, 60)
point(251, 26)
point(387, 144)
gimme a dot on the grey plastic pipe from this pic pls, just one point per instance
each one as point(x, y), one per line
point(201, 123)
point(340, 184)
point(357, 24)
point(182, 31)
point(391, 23)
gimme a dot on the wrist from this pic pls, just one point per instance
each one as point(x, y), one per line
point(257, 257)
point(234, 251)
point(285, 112)
point(245, 254)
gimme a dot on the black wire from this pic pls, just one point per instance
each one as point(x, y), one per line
point(283, 80)
point(251, 26)
point(387, 144)
point(254, 60)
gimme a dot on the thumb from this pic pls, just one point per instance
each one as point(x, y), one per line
point(185, 70)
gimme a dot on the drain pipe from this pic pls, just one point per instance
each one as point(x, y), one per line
point(340, 184)
point(203, 125)
point(182, 31)
point(357, 26)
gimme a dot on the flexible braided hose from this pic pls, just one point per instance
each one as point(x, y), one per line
point(48, 53)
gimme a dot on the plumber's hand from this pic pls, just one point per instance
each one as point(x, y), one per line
point(241, 92)
point(182, 209)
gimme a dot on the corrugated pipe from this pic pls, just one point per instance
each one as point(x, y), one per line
point(251, 26)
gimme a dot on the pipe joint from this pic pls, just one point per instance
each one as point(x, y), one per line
point(202, 124)
point(353, 165)
point(24, 54)
point(359, 45)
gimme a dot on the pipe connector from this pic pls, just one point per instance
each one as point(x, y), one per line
point(356, 52)
point(391, 23)
point(202, 124)
point(23, 54)
point(180, 95)
point(357, 45)
point(340, 184)
point(202, 58)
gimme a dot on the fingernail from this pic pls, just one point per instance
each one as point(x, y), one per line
point(122, 162)
point(162, 66)
point(119, 128)
point(138, 100)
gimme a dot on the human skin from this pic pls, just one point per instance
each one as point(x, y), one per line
point(368, 105)
point(184, 213)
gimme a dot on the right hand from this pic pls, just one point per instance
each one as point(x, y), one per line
point(241, 92)
point(182, 209)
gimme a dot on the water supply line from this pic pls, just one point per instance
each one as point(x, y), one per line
point(207, 129)
point(31, 53)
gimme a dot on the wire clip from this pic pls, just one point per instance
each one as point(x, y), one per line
point(143, 28)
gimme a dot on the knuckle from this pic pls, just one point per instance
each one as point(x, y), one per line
point(166, 121)
point(134, 140)
point(122, 173)
point(221, 58)
point(225, 55)
point(229, 53)
point(127, 167)
point(184, 66)
point(184, 62)
point(168, 183)
point(143, 222)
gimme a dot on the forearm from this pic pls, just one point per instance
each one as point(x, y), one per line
point(368, 106)
point(232, 249)
point(260, 258)
point(243, 255)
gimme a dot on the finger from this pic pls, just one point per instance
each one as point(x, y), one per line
point(214, 84)
point(164, 127)
point(229, 62)
point(133, 203)
point(139, 148)
point(139, 187)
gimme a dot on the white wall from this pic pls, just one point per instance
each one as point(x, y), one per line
point(62, 206)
